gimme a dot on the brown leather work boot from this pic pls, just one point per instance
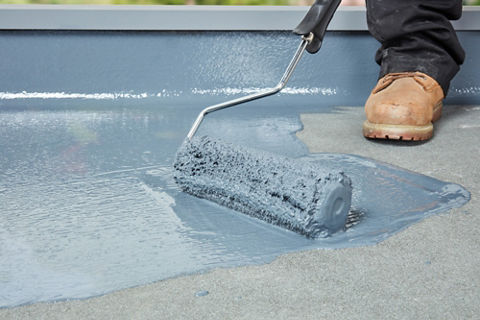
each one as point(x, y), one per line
point(403, 106)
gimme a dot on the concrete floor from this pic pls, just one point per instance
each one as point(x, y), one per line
point(429, 271)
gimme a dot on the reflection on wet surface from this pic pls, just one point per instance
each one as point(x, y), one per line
point(88, 204)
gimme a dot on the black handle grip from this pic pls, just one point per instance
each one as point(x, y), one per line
point(316, 21)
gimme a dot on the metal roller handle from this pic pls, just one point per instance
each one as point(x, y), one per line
point(283, 82)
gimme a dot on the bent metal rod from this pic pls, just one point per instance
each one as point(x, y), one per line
point(283, 82)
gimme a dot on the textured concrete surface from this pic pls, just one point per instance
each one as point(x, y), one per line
point(428, 271)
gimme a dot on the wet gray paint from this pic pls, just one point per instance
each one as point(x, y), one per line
point(89, 204)
point(172, 66)
point(303, 197)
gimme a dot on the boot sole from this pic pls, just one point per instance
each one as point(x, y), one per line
point(402, 132)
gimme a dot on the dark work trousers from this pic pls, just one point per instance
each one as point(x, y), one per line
point(416, 35)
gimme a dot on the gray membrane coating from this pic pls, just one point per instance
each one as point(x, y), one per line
point(89, 205)
point(301, 196)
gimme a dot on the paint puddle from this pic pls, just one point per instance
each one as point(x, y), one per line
point(88, 203)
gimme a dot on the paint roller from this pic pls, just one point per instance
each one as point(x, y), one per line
point(300, 196)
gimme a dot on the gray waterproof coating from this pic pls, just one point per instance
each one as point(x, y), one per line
point(300, 196)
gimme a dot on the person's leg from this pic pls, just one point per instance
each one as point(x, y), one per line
point(419, 56)
point(417, 35)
